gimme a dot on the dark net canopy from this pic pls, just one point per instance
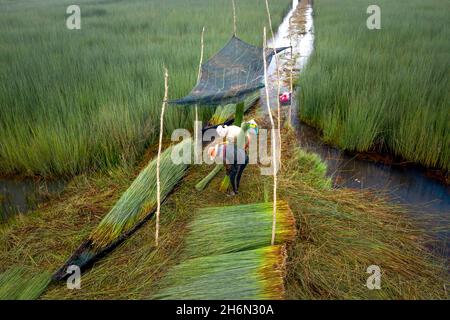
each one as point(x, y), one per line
point(232, 73)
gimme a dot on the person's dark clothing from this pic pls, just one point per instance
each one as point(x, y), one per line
point(235, 160)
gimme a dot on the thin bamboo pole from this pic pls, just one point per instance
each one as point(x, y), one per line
point(291, 85)
point(266, 82)
point(158, 160)
point(199, 74)
point(278, 77)
point(234, 18)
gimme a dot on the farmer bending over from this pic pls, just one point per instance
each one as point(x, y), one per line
point(240, 135)
point(235, 160)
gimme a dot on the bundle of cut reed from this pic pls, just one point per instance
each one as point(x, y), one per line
point(225, 184)
point(223, 113)
point(204, 182)
point(247, 275)
point(139, 199)
point(17, 284)
point(136, 206)
point(236, 228)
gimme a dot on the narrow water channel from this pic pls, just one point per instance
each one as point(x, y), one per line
point(408, 186)
point(21, 195)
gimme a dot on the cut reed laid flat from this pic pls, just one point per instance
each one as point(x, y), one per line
point(236, 228)
point(246, 275)
point(223, 113)
point(139, 199)
point(17, 284)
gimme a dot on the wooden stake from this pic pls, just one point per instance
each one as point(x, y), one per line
point(278, 76)
point(274, 165)
point(291, 87)
point(234, 18)
point(201, 55)
point(199, 74)
point(158, 160)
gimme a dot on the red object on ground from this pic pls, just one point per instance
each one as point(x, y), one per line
point(285, 97)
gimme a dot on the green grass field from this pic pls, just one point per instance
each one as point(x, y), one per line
point(383, 90)
point(72, 100)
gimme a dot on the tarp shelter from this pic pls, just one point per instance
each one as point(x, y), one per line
point(234, 72)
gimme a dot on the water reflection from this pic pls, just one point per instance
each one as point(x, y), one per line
point(19, 196)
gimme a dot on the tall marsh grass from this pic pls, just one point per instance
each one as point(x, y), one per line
point(381, 89)
point(72, 100)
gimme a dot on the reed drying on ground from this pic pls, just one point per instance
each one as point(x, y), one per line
point(17, 284)
point(246, 275)
point(140, 198)
point(220, 230)
point(204, 182)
